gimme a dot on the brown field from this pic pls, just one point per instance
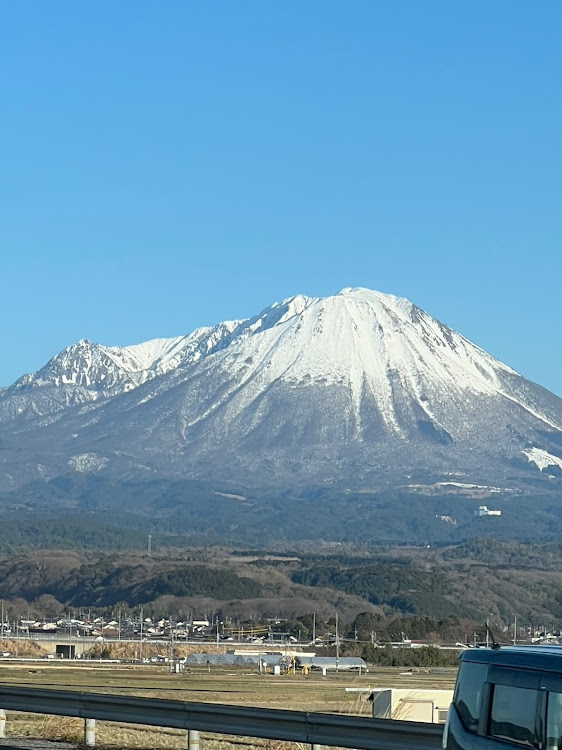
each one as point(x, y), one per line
point(222, 685)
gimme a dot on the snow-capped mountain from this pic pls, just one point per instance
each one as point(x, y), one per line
point(346, 389)
point(87, 371)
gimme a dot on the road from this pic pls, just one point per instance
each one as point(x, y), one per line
point(12, 743)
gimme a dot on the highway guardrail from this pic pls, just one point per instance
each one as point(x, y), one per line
point(335, 730)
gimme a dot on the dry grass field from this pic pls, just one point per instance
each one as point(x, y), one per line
point(222, 685)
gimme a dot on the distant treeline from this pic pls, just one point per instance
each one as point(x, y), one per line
point(413, 591)
point(189, 509)
point(67, 533)
point(106, 583)
point(399, 586)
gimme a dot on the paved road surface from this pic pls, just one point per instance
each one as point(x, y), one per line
point(11, 743)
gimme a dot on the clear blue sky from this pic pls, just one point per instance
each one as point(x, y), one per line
point(166, 165)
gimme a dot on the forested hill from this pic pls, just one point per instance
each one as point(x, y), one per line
point(472, 580)
point(84, 512)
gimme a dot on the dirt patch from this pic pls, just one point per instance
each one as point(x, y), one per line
point(22, 648)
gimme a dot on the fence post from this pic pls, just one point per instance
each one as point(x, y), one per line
point(89, 732)
point(192, 739)
point(2, 723)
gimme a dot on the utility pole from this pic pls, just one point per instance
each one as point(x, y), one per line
point(141, 624)
point(314, 627)
point(171, 646)
point(149, 548)
point(2, 626)
point(337, 644)
point(487, 632)
point(515, 630)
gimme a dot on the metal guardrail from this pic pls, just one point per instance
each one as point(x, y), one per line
point(275, 724)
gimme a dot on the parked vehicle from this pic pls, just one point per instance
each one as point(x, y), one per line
point(506, 697)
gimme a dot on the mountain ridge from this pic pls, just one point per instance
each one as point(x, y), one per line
point(360, 386)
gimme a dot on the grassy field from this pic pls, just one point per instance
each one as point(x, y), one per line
point(222, 685)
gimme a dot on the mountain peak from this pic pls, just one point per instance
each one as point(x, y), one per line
point(359, 291)
point(370, 296)
point(343, 388)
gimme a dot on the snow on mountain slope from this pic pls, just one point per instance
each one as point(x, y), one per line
point(543, 459)
point(110, 369)
point(102, 367)
point(367, 342)
point(348, 387)
point(87, 372)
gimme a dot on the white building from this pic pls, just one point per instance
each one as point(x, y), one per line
point(430, 706)
point(484, 511)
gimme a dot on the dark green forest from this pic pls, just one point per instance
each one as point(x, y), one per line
point(92, 512)
point(469, 581)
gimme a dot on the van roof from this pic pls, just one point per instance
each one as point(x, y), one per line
point(545, 658)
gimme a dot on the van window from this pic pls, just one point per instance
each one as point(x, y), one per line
point(554, 722)
point(468, 693)
point(514, 715)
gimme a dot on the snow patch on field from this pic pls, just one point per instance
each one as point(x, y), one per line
point(464, 486)
point(230, 495)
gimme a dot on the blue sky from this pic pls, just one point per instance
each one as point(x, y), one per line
point(166, 165)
